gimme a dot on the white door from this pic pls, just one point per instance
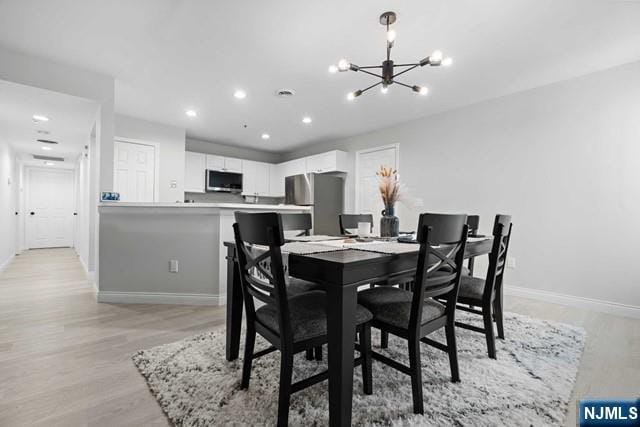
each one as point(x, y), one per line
point(50, 208)
point(368, 162)
point(134, 171)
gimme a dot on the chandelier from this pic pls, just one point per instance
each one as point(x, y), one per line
point(389, 70)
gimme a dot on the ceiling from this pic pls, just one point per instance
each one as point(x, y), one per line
point(168, 56)
point(70, 124)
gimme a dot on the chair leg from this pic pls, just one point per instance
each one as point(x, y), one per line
point(488, 331)
point(497, 309)
point(416, 375)
point(248, 356)
point(365, 345)
point(384, 339)
point(452, 350)
point(309, 354)
point(318, 352)
point(284, 395)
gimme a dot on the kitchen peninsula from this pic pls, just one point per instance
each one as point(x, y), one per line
point(168, 253)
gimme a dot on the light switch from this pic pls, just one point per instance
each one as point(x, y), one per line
point(174, 184)
point(173, 266)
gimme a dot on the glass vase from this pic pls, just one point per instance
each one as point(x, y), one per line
point(389, 223)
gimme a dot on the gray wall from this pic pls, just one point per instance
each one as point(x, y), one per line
point(208, 147)
point(563, 159)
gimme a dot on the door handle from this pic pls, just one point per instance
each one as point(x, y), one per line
point(32, 213)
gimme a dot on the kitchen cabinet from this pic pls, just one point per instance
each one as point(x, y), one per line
point(194, 172)
point(255, 178)
point(276, 181)
point(332, 161)
point(224, 164)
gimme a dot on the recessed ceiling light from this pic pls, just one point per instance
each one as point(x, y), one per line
point(191, 113)
point(49, 163)
point(40, 118)
point(306, 120)
point(45, 148)
point(240, 94)
point(265, 136)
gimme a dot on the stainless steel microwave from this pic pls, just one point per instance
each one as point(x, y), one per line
point(228, 182)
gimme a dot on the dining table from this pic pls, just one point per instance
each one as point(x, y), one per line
point(339, 270)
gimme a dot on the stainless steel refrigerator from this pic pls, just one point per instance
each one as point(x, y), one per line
point(324, 192)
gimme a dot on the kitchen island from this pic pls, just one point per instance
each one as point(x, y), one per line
point(141, 245)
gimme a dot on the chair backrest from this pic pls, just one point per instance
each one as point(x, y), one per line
point(502, 227)
point(297, 222)
point(443, 240)
point(261, 269)
point(350, 221)
point(473, 221)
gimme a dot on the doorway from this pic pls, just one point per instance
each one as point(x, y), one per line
point(50, 208)
point(135, 171)
point(368, 162)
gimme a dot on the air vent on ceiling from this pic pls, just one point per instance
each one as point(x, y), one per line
point(47, 141)
point(49, 158)
point(285, 93)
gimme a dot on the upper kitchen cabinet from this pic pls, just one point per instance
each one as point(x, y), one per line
point(293, 167)
point(224, 164)
point(194, 172)
point(255, 178)
point(332, 161)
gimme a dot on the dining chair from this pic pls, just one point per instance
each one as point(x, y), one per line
point(473, 221)
point(350, 222)
point(290, 325)
point(414, 315)
point(301, 223)
point(487, 293)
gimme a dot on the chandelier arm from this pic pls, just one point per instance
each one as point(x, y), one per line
point(371, 66)
point(371, 87)
point(402, 84)
point(370, 73)
point(404, 71)
point(406, 65)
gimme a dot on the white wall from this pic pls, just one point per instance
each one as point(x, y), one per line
point(8, 203)
point(563, 159)
point(171, 142)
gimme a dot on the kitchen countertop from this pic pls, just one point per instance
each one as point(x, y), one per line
point(202, 205)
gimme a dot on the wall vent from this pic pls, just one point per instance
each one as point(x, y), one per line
point(49, 158)
point(47, 141)
point(285, 93)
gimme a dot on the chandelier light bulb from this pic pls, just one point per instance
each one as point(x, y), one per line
point(333, 69)
point(384, 88)
point(436, 57)
point(447, 61)
point(351, 96)
point(422, 90)
point(391, 36)
point(344, 65)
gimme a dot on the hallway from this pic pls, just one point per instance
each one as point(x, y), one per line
point(65, 359)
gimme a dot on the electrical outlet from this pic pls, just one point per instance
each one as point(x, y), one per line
point(174, 184)
point(173, 266)
point(511, 262)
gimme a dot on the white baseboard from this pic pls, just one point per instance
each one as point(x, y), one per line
point(6, 263)
point(159, 298)
point(575, 301)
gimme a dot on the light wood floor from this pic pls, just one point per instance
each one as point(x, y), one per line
point(66, 360)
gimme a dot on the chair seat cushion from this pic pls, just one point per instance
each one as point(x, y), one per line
point(393, 306)
point(308, 315)
point(299, 286)
point(471, 288)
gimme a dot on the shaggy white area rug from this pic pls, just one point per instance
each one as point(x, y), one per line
point(529, 384)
